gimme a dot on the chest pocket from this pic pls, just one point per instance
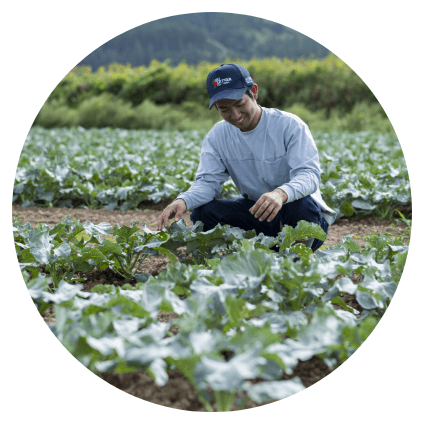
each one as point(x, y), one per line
point(273, 171)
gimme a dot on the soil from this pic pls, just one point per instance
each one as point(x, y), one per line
point(178, 392)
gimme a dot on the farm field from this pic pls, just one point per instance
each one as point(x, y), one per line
point(178, 392)
point(169, 328)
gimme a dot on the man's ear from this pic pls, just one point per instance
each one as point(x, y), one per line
point(255, 91)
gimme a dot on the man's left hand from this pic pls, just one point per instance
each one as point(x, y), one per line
point(268, 205)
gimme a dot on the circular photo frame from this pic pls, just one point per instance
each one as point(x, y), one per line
point(59, 350)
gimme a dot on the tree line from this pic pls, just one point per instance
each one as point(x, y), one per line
point(211, 37)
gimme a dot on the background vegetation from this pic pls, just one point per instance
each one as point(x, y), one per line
point(325, 93)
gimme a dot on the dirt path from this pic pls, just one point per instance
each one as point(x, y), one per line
point(178, 393)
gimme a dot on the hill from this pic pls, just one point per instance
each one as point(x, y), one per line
point(212, 37)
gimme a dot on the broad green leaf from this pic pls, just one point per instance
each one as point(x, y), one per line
point(107, 345)
point(109, 247)
point(303, 231)
point(274, 390)
point(205, 341)
point(167, 253)
point(27, 256)
point(347, 209)
point(64, 293)
point(280, 323)
point(40, 246)
point(228, 376)
point(158, 370)
point(122, 192)
point(367, 299)
point(216, 294)
point(205, 241)
point(102, 228)
point(301, 250)
point(234, 308)
point(142, 277)
point(333, 252)
point(339, 301)
point(180, 227)
point(382, 290)
point(93, 253)
point(350, 245)
point(125, 232)
point(63, 251)
point(360, 204)
point(244, 264)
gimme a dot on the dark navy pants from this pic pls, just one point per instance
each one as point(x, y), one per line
point(236, 213)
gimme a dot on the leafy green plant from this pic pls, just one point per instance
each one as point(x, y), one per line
point(60, 250)
point(248, 314)
point(363, 174)
point(130, 249)
point(404, 235)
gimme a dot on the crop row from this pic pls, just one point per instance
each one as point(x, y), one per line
point(70, 247)
point(265, 302)
point(362, 173)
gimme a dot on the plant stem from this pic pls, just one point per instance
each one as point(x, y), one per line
point(135, 261)
point(224, 400)
point(122, 267)
point(53, 274)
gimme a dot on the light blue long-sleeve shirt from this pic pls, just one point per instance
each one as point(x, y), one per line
point(279, 152)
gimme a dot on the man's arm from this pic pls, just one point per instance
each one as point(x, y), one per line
point(303, 159)
point(210, 176)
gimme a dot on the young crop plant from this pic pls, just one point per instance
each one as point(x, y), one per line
point(70, 247)
point(131, 247)
point(247, 315)
point(363, 174)
point(61, 251)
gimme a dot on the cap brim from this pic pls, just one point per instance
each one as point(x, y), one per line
point(234, 94)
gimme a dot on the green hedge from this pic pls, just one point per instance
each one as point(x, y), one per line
point(108, 111)
point(326, 94)
point(325, 84)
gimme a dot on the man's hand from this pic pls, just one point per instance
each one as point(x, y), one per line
point(268, 205)
point(177, 208)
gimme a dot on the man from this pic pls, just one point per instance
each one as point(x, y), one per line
point(269, 154)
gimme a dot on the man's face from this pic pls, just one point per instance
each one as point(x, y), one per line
point(244, 113)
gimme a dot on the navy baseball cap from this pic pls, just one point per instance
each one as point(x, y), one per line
point(229, 81)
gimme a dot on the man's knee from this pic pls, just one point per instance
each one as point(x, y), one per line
point(196, 215)
point(201, 212)
point(305, 209)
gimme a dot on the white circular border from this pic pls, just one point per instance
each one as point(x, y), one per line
point(60, 72)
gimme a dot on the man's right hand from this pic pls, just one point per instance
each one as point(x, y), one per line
point(177, 208)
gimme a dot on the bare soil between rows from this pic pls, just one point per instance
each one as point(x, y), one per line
point(178, 392)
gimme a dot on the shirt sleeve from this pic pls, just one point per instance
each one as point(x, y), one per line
point(210, 176)
point(303, 159)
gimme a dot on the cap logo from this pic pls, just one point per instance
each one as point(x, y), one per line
point(218, 81)
point(249, 80)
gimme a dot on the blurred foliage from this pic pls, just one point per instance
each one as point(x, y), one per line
point(325, 93)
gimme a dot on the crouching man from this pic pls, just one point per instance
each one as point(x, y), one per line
point(269, 154)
